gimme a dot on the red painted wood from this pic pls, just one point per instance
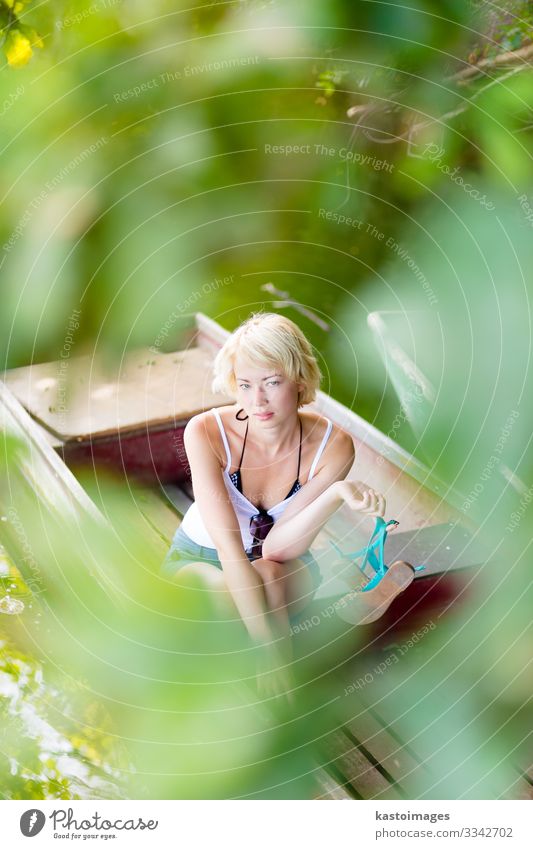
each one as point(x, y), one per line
point(147, 456)
point(420, 604)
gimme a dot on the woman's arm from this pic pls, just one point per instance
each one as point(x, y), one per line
point(216, 510)
point(313, 505)
point(295, 535)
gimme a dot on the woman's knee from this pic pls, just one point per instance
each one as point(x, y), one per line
point(209, 580)
point(200, 573)
point(270, 570)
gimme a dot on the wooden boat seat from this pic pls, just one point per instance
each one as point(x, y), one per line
point(77, 400)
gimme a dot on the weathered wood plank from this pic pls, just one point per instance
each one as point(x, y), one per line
point(146, 390)
point(157, 511)
point(385, 717)
point(49, 476)
point(356, 769)
point(329, 789)
point(392, 755)
point(177, 497)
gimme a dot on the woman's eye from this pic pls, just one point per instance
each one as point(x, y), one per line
point(244, 386)
point(273, 382)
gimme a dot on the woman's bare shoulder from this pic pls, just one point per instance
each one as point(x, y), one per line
point(338, 436)
point(340, 445)
point(203, 427)
point(205, 422)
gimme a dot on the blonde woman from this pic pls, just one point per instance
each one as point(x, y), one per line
point(267, 475)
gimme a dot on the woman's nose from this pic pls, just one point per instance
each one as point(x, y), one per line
point(260, 395)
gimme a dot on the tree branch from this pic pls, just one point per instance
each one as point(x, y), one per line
point(512, 57)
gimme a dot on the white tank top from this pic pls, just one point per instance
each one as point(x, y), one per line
point(193, 524)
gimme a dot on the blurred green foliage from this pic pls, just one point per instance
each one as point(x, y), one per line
point(347, 153)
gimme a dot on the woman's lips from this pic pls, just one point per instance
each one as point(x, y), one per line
point(263, 416)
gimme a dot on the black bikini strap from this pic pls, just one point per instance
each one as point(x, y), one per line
point(300, 452)
point(243, 444)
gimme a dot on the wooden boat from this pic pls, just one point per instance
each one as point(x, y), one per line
point(131, 423)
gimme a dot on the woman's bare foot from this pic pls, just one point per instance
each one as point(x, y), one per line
point(360, 608)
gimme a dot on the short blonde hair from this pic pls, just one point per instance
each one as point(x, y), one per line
point(268, 339)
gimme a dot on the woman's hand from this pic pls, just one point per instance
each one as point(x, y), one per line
point(359, 496)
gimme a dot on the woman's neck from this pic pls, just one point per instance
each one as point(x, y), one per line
point(277, 438)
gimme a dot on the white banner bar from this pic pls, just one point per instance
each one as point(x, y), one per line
point(268, 824)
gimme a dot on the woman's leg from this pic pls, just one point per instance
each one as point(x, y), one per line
point(289, 586)
point(271, 573)
point(282, 583)
point(213, 580)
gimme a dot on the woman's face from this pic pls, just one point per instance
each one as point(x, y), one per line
point(265, 394)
